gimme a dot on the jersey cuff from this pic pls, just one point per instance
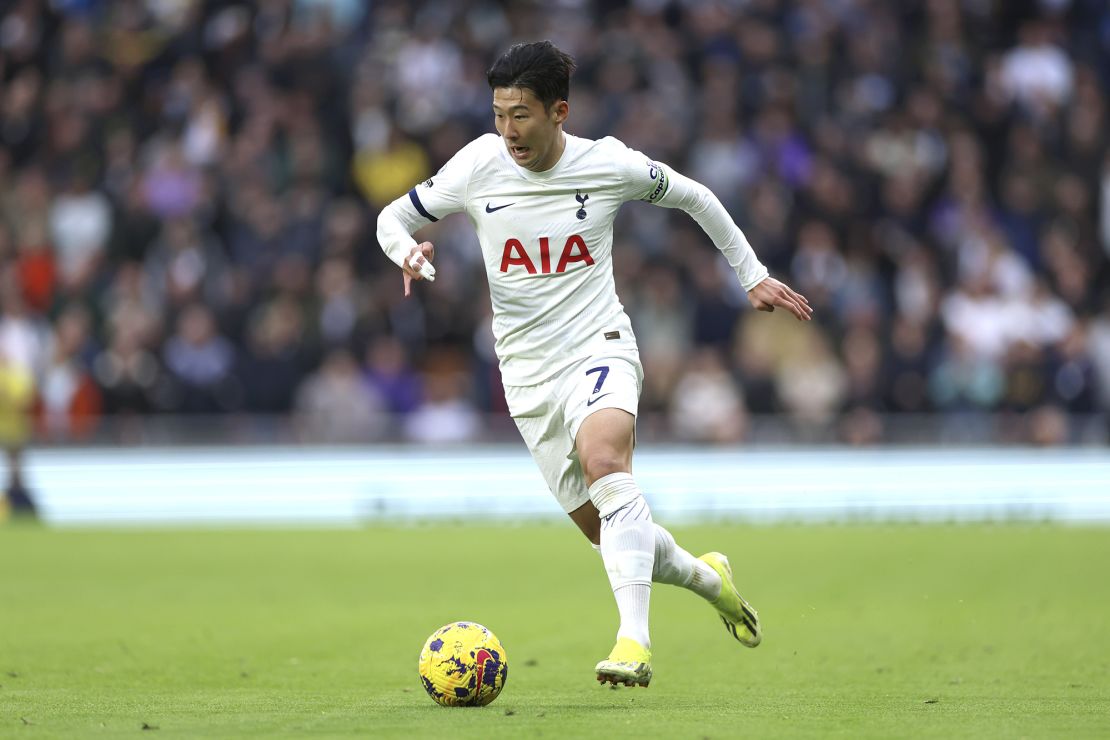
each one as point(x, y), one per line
point(420, 206)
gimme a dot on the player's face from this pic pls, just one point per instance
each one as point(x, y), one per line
point(532, 133)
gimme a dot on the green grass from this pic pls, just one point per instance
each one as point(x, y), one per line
point(901, 631)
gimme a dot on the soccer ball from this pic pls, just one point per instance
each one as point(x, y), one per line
point(463, 665)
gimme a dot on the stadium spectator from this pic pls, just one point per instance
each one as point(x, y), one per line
point(445, 413)
point(19, 342)
point(935, 176)
point(389, 375)
point(276, 358)
point(69, 401)
point(706, 405)
point(334, 405)
point(201, 361)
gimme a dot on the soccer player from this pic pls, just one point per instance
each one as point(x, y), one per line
point(543, 203)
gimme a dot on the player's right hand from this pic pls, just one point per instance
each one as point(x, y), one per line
point(418, 265)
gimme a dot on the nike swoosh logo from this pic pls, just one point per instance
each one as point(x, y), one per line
point(490, 209)
point(592, 401)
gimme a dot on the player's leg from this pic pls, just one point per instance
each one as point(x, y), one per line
point(18, 498)
point(538, 413)
point(709, 576)
point(675, 566)
point(627, 538)
point(587, 520)
point(672, 564)
point(602, 403)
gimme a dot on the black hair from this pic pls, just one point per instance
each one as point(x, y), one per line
point(539, 66)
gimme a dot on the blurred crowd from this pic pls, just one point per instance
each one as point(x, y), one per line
point(188, 191)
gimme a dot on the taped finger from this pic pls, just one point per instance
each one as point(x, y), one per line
point(423, 266)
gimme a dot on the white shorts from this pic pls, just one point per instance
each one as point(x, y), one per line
point(549, 415)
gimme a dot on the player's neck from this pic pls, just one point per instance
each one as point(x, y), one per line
point(554, 155)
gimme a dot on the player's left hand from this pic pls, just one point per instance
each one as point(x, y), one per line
point(771, 293)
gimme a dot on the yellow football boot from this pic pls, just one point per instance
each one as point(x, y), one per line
point(629, 663)
point(740, 619)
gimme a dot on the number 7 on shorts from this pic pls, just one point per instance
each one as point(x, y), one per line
point(603, 372)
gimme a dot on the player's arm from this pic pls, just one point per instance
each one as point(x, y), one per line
point(764, 291)
point(426, 203)
point(395, 229)
point(657, 183)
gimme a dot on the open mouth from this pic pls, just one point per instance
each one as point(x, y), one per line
point(519, 152)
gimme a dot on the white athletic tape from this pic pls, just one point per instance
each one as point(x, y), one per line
point(613, 492)
point(425, 269)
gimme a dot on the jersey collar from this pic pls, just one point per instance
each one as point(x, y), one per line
point(547, 174)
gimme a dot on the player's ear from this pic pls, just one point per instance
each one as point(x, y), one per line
point(560, 111)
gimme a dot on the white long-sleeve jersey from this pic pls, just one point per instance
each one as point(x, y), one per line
point(547, 242)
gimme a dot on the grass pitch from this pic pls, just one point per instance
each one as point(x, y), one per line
point(902, 631)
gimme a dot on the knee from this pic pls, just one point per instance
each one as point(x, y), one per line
point(601, 463)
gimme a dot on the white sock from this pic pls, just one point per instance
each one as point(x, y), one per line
point(677, 567)
point(628, 551)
